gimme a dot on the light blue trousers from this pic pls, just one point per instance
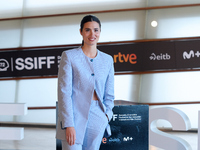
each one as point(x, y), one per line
point(97, 122)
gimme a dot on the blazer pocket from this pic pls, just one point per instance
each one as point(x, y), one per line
point(63, 128)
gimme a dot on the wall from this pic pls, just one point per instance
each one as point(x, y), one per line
point(116, 26)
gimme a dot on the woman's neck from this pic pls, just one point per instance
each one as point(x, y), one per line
point(90, 51)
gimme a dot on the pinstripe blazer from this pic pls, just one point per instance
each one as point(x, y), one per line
point(78, 77)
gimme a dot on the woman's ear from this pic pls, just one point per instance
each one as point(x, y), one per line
point(80, 31)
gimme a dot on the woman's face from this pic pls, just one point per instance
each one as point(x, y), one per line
point(91, 32)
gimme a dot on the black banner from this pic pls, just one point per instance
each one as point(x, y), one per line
point(26, 63)
point(131, 57)
point(129, 127)
point(188, 54)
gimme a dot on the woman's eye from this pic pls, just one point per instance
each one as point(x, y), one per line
point(87, 30)
point(96, 30)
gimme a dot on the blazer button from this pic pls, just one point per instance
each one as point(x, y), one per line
point(92, 74)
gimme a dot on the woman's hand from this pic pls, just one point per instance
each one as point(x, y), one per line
point(70, 135)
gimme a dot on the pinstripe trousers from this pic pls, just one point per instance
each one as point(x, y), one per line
point(97, 122)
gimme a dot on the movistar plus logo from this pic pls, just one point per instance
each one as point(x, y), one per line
point(161, 56)
point(191, 54)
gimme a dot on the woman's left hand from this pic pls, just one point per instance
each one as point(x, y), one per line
point(70, 135)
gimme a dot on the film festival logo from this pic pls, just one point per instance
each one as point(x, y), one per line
point(4, 65)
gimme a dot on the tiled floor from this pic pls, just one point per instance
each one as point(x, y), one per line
point(44, 139)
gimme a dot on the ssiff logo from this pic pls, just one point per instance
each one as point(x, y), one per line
point(4, 65)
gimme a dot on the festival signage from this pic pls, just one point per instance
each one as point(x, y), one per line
point(158, 56)
point(129, 128)
point(188, 54)
point(127, 57)
point(26, 63)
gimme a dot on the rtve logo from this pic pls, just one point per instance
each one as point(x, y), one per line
point(132, 58)
point(160, 56)
point(191, 54)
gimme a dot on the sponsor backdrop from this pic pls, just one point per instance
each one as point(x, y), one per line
point(128, 57)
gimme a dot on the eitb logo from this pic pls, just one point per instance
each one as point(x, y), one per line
point(4, 65)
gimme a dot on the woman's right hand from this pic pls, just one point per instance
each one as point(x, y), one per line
point(70, 135)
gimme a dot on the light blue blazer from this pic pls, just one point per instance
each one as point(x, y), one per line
point(78, 77)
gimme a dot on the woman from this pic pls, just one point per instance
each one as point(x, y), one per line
point(85, 91)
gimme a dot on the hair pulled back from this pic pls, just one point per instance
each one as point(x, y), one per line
point(89, 18)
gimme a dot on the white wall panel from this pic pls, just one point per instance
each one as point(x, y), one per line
point(173, 23)
point(118, 26)
point(122, 26)
point(170, 2)
point(45, 116)
point(10, 33)
point(7, 91)
point(127, 87)
point(51, 31)
point(11, 8)
point(65, 30)
point(44, 7)
point(38, 92)
point(170, 87)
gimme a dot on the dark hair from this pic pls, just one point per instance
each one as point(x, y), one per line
point(89, 18)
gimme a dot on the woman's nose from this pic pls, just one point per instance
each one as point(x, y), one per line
point(92, 32)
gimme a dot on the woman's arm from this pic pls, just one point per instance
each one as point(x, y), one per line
point(109, 92)
point(64, 98)
point(65, 92)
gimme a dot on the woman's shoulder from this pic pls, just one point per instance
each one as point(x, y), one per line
point(105, 56)
point(72, 51)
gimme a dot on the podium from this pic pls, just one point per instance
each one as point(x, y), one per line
point(129, 128)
